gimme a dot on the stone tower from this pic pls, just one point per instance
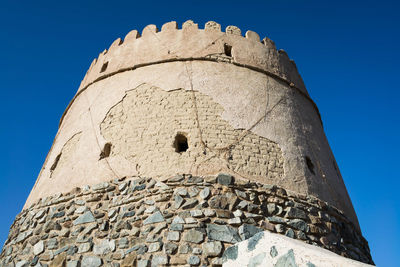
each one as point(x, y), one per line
point(179, 143)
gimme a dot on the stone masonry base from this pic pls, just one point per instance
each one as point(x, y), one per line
point(185, 220)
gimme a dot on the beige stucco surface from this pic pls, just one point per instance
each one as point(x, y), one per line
point(269, 127)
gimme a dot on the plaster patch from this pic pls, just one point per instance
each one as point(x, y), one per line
point(142, 128)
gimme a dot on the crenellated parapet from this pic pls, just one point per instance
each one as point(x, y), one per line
point(154, 46)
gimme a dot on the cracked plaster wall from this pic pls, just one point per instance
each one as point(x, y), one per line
point(64, 161)
point(244, 99)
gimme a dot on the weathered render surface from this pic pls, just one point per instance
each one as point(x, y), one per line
point(187, 101)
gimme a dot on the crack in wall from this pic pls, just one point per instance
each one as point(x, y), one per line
point(97, 139)
point(267, 73)
point(63, 159)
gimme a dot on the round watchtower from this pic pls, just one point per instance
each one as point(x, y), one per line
point(185, 139)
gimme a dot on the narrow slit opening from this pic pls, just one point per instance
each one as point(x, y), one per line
point(336, 168)
point(105, 153)
point(310, 165)
point(228, 50)
point(104, 67)
point(54, 166)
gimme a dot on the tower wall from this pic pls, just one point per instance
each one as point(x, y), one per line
point(236, 104)
point(248, 111)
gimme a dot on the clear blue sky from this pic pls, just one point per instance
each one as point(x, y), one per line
point(347, 53)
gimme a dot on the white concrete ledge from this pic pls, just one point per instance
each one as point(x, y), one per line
point(268, 249)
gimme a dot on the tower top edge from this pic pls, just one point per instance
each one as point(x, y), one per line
point(189, 42)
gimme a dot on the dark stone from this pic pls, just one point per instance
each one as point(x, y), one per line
point(243, 204)
point(72, 263)
point(274, 219)
point(241, 194)
point(205, 193)
point(23, 236)
point(61, 250)
point(219, 202)
point(247, 230)
point(34, 260)
point(58, 214)
point(142, 263)
point(87, 217)
point(273, 252)
point(154, 247)
point(129, 214)
point(52, 243)
point(281, 192)
point(22, 263)
point(176, 227)
point(225, 179)
point(159, 260)
point(299, 225)
point(230, 253)
point(184, 249)
point(257, 260)
point(51, 225)
point(268, 226)
point(222, 233)
point(176, 179)
point(178, 201)
point(286, 260)
point(212, 249)
point(289, 233)
point(123, 225)
point(138, 187)
point(94, 198)
point(91, 261)
point(123, 243)
point(296, 213)
point(153, 238)
point(191, 203)
point(252, 207)
point(195, 180)
point(193, 191)
point(301, 235)
point(154, 218)
point(223, 214)
point(325, 241)
point(100, 187)
point(32, 241)
point(104, 226)
point(72, 250)
point(98, 214)
point(193, 236)
point(170, 248)
point(140, 249)
point(193, 260)
point(253, 241)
